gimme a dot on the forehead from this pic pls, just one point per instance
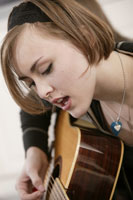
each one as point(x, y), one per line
point(33, 43)
point(29, 44)
point(33, 37)
point(33, 40)
point(30, 36)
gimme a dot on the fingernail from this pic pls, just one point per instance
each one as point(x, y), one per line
point(41, 188)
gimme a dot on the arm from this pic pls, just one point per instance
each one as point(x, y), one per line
point(35, 140)
point(35, 128)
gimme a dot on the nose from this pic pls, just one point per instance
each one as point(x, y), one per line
point(44, 91)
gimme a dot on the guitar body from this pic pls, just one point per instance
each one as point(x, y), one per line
point(87, 162)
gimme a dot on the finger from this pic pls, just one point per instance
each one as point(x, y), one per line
point(36, 181)
point(33, 196)
point(24, 185)
point(25, 191)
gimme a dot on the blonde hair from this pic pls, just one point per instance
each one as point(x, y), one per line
point(70, 21)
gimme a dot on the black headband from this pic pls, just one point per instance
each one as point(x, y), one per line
point(26, 13)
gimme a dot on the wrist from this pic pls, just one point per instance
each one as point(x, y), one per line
point(32, 151)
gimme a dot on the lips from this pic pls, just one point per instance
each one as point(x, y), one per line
point(63, 102)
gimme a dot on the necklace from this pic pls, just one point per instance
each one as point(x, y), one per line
point(116, 125)
point(130, 125)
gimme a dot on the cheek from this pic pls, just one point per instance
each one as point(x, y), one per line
point(67, 75)
point(61, 79)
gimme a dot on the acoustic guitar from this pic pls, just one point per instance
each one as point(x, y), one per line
point(86, 165)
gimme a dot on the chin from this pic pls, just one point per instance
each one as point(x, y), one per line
point(77, 114)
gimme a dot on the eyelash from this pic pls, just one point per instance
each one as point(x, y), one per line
point(47, 71)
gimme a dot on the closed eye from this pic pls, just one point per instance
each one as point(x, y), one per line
point(48, 70)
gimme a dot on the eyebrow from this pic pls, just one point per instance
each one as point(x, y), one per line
point(32, 69)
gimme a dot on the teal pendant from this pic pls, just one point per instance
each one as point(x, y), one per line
point(116, 127)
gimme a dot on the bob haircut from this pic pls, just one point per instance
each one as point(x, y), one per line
point(70, 21)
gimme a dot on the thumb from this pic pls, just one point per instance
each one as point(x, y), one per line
point(37, 181)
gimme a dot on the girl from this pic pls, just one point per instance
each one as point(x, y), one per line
point(60, 52)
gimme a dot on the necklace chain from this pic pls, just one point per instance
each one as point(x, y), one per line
point(116, 125)
point(124, 90)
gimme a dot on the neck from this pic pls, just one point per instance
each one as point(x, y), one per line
point(110, 79)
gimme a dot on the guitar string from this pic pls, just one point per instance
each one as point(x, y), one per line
point(52, 189)
point(51, 192)
point(58, 186)
point(52, 197)
point(50, 183)
point(53, 182)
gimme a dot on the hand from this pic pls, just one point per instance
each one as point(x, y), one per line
point(30, 182)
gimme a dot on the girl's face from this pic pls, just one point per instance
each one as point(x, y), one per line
point(57, 70)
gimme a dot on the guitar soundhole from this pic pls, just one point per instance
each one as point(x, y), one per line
point(56, 172)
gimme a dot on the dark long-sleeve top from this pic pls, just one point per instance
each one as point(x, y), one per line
point(35, 127)
point(35, 130)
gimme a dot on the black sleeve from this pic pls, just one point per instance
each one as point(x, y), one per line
point(35, 128)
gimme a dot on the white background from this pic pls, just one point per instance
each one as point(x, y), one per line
point(120, 13)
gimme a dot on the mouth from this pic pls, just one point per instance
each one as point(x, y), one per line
point(63, 102)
